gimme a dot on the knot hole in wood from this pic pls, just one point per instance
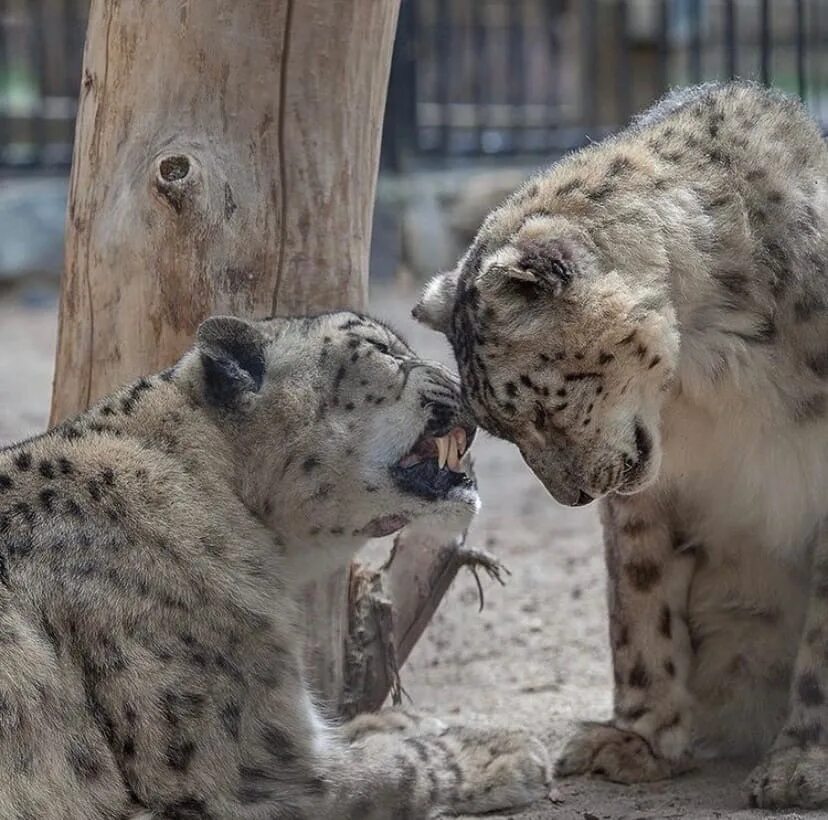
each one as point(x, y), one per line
point(175, 176)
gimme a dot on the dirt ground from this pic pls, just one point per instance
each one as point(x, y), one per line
point(537, 656)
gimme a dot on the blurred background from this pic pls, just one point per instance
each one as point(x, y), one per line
point(482, 92)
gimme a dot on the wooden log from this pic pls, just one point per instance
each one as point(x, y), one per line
point(225, 161)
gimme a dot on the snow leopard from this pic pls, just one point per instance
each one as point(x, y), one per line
point(152, 554)
point(647, 320)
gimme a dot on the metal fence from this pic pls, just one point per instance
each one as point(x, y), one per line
point(498, 77)
point(41, 48)
point(473, 78)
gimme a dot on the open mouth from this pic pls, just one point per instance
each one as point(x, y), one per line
point(432, 467)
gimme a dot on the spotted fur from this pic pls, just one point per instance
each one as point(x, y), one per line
point(647, 321)
point(150, 552)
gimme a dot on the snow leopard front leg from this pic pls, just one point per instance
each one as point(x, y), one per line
point(649, 735)
point(795, 771)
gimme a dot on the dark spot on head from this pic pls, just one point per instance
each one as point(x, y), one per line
point(540, 417)
point(621, 636)
point(180, 754)
point(811, 408)
point(643, 574)
point(632, 714)
point(84, 761)
point(639, 678)
point(231, 719)
point(569, 186)
point(618, 166)
point(23, 461)
point(601, 192)
point(278, 744)
point(809, 690)
point(818, 364)
point(22, 509)
point(634, 526)
point(187, 808)
point(665, 624)
point(47, 498)
point(94, 489)
point(5, 482)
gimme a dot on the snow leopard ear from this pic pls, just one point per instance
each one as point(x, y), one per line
point(545, 264)
point(232, 353)
point(437, 302)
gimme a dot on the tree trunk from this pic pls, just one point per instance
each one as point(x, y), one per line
point(225, 161)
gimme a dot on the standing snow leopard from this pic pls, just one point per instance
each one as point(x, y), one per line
point(648, 321)
point(150, 553)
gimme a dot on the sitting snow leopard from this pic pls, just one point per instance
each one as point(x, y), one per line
point(150, 550)
point(648, 321)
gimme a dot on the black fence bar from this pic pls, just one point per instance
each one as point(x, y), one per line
point(517, 74)
point(480, 45)
point(472, 78)
point(814, 30)
point(623, 57)
point(663, 46)
point(553, 98)
point(589, 47)
point(38, 61)
point(695, 51)
point(730, 42)
point(443, 31)
point(400, 123)
point(5, 134)
point(765, 53)
point(801, 75)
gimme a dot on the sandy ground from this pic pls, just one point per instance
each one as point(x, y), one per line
point(537, 656)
